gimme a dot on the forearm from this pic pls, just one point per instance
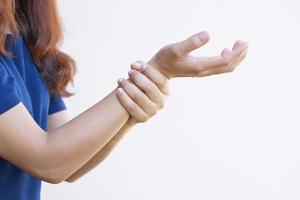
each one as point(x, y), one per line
point(91, 157)
point(71, 145)
point(103, 153)
point(107, 149)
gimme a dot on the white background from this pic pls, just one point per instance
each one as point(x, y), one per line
point(233, 136)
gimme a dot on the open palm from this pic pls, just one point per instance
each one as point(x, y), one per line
point(175, 60)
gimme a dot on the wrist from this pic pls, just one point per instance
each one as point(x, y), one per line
point(153, 62)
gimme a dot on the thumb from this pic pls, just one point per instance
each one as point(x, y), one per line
point(193, 42)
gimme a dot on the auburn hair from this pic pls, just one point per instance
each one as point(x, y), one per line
point(38, 22)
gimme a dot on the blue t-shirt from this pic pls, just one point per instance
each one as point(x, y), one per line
point(20, 81)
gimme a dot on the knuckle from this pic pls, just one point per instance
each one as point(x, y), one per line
point(152, 112)
point(144, 118)
point(138, 98)
point(175, 51)
point(124, 83)
point(161, 105)
point(131, 107)
point(163, 83)
point(167, 91)
point(145, 67)
point(149, 87)
point(142, 64)
point(134, 74)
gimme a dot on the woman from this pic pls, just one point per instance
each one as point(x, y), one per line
point(38, 142)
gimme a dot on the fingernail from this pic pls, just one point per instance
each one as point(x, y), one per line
point(136, 66)
point(204, 36)
point(130, 72)
point(120, 90)
point(120, 80)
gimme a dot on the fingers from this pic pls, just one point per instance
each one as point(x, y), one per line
point(226, 56)
point(132, 108)
point(141, 96)
point(182, 48)
point(138, 96)
point(225, 51)
point(197, 65)
point(224, 69)
point(160, 80)
point(149, 88)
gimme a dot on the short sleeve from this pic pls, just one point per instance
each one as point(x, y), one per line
point(9, 95)
point(56, 104)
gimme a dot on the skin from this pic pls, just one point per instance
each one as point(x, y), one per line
point(139, 105)
point(71, 148)
point(132, 98)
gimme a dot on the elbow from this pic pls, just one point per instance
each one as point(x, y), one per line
point(52, 179)
point(52, 176)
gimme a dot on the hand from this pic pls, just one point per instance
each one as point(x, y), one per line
point(174, 60)
point(144, 93)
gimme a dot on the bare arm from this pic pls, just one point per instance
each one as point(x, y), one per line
point(60, 118)
point(56, 155)
point(57, 119)
point(150, 78)
point(103, 153)
point(160, 81)
point(53, 157)
point(56, 162)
